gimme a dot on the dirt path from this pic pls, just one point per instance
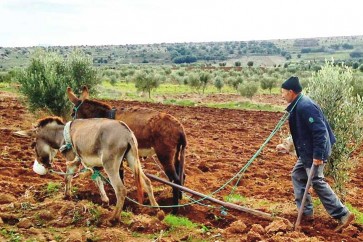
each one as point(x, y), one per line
point(220, 142)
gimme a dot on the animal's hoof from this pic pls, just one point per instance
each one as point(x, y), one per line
point(160, 215)
point(105, 202)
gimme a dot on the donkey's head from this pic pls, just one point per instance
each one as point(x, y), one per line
point(85, 108)
point(46, 139)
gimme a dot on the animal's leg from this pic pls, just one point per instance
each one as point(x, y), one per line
point(112, 166)
point(71, 169)
point(146, 183)
point(166, 155)
point(101, 187)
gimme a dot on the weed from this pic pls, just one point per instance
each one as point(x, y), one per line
point(26, 206)
point(38, 220)
point(126, 217)
point(175, 221)
point(235, 198)
point(95, 215)
point(316, 202)
point(77, 216)
point(11, 235)
point(357, 213)
point(136, 234)
point(53, 187)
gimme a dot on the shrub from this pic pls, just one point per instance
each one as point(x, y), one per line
point(344, 113)
point(235, 81)
point(219, 83)
point(250, 63)
point(356, 54)
point(204, 78)
point(193, 81)
point(147, 81)
point(45, 80)
point(268, 83)
point(5, 77)
point(248, 89)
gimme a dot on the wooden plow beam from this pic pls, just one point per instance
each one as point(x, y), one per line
point(254, 212)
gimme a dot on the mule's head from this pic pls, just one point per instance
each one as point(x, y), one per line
point(85, 108)
point(46, 142)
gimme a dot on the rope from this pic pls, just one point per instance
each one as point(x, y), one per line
point(75, 109)
point(276, 129)
point(238, 174)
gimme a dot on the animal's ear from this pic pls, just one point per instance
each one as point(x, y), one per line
point(85, 93)
point(26, 133)
point(71, 96)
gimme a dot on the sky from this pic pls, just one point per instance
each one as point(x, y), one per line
point(25, 23)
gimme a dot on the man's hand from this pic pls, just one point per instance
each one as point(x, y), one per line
point(317, 162)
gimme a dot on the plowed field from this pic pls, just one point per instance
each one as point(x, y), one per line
point(220, 143)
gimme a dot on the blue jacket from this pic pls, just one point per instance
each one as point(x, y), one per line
point(311, 133)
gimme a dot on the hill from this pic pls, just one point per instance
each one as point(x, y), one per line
point(261, 52)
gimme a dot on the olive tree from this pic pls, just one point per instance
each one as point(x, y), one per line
point(219, 83)
point(147, 81)
point(331, 88)
point(248, 89)
point(44, 81)
point(268, 83)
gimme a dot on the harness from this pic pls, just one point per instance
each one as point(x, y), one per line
point(68, 140)
point(112, 113)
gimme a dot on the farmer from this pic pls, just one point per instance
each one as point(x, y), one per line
point(313, 140)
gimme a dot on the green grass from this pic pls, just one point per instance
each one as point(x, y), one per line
point(235, 198)
point(11, 235)
point(357, 213)
point(6, 87)
point(53, 187)
point(177, 222)
point(246, 106)
point(126, 217)
point(128, 90)
point(124, 88)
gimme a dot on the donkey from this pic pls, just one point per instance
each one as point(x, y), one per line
point(94, 143)
point(156, 132)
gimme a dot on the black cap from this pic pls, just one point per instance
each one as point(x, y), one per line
point(292, 83)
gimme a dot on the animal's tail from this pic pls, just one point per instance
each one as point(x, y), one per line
point(135, 165)
point(140, 191)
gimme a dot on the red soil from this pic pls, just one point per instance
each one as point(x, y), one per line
point(220, 142)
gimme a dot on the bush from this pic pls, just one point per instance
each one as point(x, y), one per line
point(356, 54)
point(248, 89)
point(219, 83)
point(204, 78)
point(194, 82)
point(250, 63)
point(147, 81)
point(344, 113)
point(45, 80)
point(5, 77)
point(268, 83)
point(235, 81)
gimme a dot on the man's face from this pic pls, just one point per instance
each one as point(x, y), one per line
point(287, 95)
